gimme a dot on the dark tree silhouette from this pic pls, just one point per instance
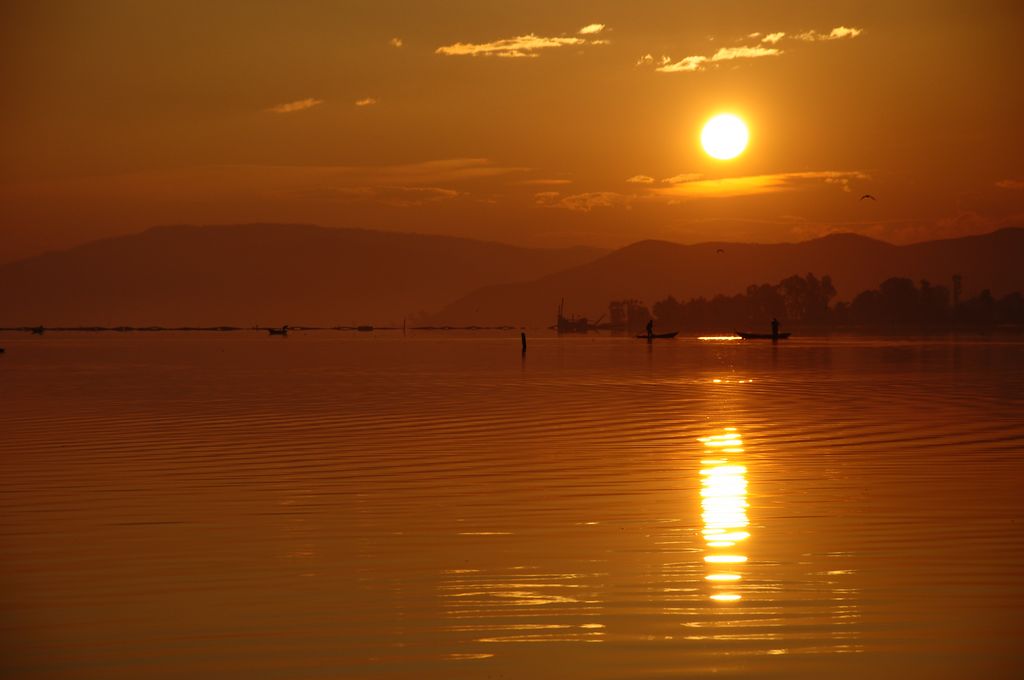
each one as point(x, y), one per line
point(631, 315)
point(805, 301)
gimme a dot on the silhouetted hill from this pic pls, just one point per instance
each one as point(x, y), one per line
point(261, 274)
point(652, 270)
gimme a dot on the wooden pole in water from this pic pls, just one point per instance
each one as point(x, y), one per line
point(522, 336)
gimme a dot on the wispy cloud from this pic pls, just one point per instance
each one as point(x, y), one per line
point(299, 105)
point(842, 182)
point(744, 52)
point(261, 190)
point(766, 47)
point(837, 33)
point(434, 172)
point(366, 101)
point(365, 179)
point(699, 62)
point(584, 202)
point(692, 186)
point(400, 196)
point(544, 182)
point(1017, 184)
point(522, 46)
point(406, 184)
point(755, 184)
point(414, 196)
point(686, 64)
point(684, 177)
point(395, 42)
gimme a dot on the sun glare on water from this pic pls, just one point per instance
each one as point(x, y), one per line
point(725, 136)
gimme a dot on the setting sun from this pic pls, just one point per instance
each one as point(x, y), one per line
point(724, 136)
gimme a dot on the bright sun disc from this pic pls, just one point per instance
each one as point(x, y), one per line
point(724, 137)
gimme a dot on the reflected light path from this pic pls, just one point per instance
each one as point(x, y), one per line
point(522, 604)
point(723, 501)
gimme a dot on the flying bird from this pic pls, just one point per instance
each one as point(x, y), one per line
point(868, 196)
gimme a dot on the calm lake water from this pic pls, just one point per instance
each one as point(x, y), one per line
point(334, 505)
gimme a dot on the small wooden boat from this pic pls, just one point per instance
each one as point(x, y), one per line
point(762, 336)
point(283, 330)
point(570, 324)
point(658, 336)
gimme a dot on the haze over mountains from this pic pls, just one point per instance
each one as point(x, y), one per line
point(300, 274)
point(652, 270)
point(261, 274)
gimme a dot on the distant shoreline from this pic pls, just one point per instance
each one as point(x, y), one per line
point(800, 331)
point(229, 329)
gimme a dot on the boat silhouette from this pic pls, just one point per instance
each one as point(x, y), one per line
point(761, 336)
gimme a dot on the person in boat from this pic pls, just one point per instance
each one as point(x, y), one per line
point(650, 328)
point(775, 329)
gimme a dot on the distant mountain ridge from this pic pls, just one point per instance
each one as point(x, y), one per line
point(652, 270)
point(262, 274)
point(271, 274)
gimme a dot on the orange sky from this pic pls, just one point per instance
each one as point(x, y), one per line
point(534, 123)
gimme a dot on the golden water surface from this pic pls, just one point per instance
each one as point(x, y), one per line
point(441, 506)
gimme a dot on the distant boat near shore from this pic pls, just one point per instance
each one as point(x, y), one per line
point(762, 336)
point(658, 336)
point(283, 330)
point(572, 324)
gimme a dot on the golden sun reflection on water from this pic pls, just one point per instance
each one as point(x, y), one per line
point(723, 501)
point(522, 604)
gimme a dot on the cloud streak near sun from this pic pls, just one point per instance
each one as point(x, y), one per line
point(299, 105)
point(700, 63)
point(693, 187)
point(765, 47)
point(522, 46)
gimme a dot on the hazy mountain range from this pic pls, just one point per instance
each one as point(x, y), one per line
point(653, 270)
point(300, 274)
point(268, 274)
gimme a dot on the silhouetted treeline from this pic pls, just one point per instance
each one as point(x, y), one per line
point(898, 302)
point(631, 315)
point(806, 302)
